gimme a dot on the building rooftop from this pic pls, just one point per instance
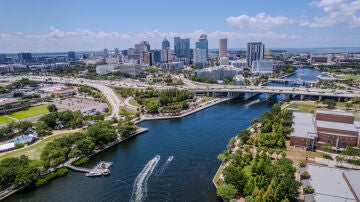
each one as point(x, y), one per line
point(303, 124)
point(7, 146)
point(353, 180)
point(69, 90)
point(336, 125)
point(330, 185)
point(334, 112)
point(4, 101)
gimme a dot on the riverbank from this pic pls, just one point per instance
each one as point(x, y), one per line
point(184, 113)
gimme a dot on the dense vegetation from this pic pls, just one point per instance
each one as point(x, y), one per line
point(89, 91)
point(14, 128)
point(257, 174)
point(203, 79)
point(153, 101)
point(22, 83)
point(66, 119)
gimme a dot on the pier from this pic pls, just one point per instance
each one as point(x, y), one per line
point(102, 168)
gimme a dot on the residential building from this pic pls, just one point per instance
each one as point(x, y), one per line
point(224, 61)
point(238, 63)
point(200, 57)
point(337, 128)
point(222, 48)
point(218, 73)
point(182, 49)
point(9, 105)
point(262, 67)
point(171, 66)
point(254, 51)
point(104, 69)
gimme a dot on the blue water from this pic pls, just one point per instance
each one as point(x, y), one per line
point(302, 73)
point(194, 141)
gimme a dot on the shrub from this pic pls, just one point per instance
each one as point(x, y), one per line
point(327, 156)
point(309, 190)
point(302, 164)
point(58, 173)
point(305, 175)
point(81, 161)
point(19, 145)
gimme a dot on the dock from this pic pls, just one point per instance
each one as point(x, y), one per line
point(101, 167)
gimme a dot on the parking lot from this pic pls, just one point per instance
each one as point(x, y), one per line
point(85, 105)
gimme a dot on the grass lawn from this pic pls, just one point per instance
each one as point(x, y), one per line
point(349, 76)
point(32, 151)
point(206, 99)
point(153, 100)
point(4, 119)
point(134, 103)
point(304, 106)
point(32, 111)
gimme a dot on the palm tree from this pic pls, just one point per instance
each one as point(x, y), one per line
point(348, 105)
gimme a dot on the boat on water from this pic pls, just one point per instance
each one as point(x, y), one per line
point(170, 158)
point(93, 174)
point(106, 172)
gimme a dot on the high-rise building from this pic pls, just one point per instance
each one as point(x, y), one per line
point(2, 58)
point(202, 44)
point(200, 57)
point(106, 53)
point(182, 49)
point(222, 48)
point(116, 52)
point(25, 57)
point(254, 51)
point(157, 55)
point(71, 55)
point(165, 44)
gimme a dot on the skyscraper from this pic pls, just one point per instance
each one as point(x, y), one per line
point(254, 51)
point(25, 57)
point(106, 54)
point(165, 44)
point(222, 48)
point(182, 49)
point(116, 52)
point(201, 51)
point(71, 55)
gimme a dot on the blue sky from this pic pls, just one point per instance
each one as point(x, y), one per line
point(42, 25)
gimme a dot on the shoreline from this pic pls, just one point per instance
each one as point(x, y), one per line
point(186, 113)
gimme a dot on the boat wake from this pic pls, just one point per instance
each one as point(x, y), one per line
point(252, 102)
point(139, 191)
point(164, 166)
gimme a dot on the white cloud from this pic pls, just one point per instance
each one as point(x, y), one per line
point(338, 13)
point(261, 21)
point(83, 39)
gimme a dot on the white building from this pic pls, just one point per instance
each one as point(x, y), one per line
point(224, 61)
point(172, 66)
point(112, 61)
point(104, 69)
point(238, 63)
point(200, 57)
point(262, 67)
point(130, 68)
point(165, 55)
point(218, 73)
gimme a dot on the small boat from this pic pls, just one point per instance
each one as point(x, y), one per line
point(170, 158)
point(106, 172)
point(93, 174)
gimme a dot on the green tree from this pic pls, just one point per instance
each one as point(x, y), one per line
point(235, 176)
point(42, 128)
point(126, 129)
point(52, 108)
point(85, 146)
point(226, 191)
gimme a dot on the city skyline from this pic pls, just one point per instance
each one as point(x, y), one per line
point(38, 26)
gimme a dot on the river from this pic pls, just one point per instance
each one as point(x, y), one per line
point(194, 141)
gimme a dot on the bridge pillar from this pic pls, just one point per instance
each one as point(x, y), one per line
point(302, 97)
point(320, 97)
point(339, 99)
point(208, 93)
point(268, 96)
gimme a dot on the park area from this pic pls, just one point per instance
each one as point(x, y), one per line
point(23, 114)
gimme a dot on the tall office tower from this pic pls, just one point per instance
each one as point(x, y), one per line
point(203, 44)
point(71, 55)
point(25, 57)
point(116, 52)
point(157, 55)
point(165, 44)
point(182, 49)
point(106, 53)
point(222, 48)
point(255, 51)
point(144, 49)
